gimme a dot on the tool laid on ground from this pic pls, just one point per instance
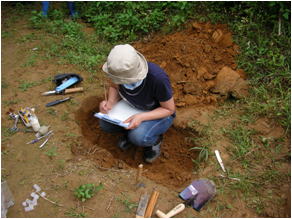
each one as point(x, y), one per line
point(151, 205)
point(63, 81)
point(14, 127)
point(142, 205)
point(66, 91)
point(177, 209)
point(43, 144)
point(198, 193)
point(220, 160)
point(53, 103)
point(39, 138)
point(66, 84)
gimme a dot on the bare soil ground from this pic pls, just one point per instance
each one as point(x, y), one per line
point(200, 61)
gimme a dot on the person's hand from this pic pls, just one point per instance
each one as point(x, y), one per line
point(104, 106)
point(134, 121)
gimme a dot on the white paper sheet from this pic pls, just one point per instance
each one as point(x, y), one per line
point(119, 113)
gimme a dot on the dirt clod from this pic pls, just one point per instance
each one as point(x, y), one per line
point(229, 82)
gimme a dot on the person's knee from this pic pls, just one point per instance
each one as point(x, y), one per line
point(135, 139)
point(139, 138)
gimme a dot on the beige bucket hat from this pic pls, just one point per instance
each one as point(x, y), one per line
point(125, 65)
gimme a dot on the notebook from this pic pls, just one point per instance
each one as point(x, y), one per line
point(119, 113)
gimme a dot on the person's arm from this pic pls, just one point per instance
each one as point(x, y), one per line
point(166, 108)
point(112, 98)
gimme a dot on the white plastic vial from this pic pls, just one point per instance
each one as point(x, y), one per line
point(35, 123)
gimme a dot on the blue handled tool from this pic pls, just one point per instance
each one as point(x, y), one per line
point(66, 84)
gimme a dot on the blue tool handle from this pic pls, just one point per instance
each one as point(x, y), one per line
point(66, 84)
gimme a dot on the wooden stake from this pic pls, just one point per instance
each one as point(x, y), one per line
point(139, 173)
point(151, 205)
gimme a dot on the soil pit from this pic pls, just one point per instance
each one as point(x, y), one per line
point(173, 168)
point(200, 63)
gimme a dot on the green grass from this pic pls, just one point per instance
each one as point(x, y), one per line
point(61, 164)
point(201, 138)
point(72, 212)
point(52, 152)
point(25, 85)
point(51, 111)
point(10, 102)
point(6, 132)
point(242, 140)
point(28, 38)
point(65, 116)
point(130, 206)
point(6, 34)
point(31, 61)
point(4, 85)
point(69, 134)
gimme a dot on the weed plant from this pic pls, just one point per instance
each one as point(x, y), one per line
point(129, 205)
point(86, 191)
point(52, 152)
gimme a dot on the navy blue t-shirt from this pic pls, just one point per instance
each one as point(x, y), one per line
point(155, 88)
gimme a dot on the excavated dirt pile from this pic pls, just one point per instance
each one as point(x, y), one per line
point(200, 63)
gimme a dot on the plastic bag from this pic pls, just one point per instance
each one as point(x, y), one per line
point(7, 199)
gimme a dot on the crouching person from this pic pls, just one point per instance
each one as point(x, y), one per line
point(145, 86)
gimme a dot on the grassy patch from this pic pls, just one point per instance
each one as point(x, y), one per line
point(25, 85)
point(52, 152)
point(28, 38)
point(72, 212)
point(70, 134)
point(6, 34)
point(202, 141)
point(30, 61)
point(6, 132)
point(51, 111)
point(65, 116)
point(4, 85)
point(130, 206)
point(10, 102)
point(242, 140)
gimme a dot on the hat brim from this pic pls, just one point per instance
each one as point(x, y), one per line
point(121, 80)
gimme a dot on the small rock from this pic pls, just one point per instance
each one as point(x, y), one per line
point(217, 35)
point(180, 104)
point(196, 26)
point(120, 164)
point(165, 154)
point(217, 58)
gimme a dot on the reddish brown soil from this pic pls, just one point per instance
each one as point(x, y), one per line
point(174, 167)
point(192, 58)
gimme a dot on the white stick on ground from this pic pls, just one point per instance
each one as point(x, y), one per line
point(50, 200)
point(220, 160)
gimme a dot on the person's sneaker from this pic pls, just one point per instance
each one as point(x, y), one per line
point(123, 143)
point(152, 153)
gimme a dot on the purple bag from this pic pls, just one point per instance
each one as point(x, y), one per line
point(198, 193)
